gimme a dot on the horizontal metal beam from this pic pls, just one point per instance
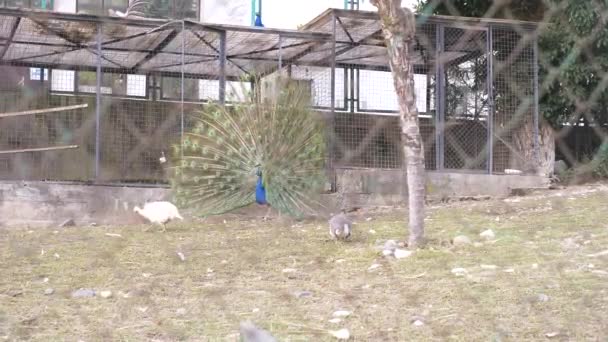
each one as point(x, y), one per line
point(39, 149)
point(43, 111)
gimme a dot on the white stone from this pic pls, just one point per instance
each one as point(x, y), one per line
point(390, 244)
point(387, 252)
point(371, 231)
point(461, 240)
point(342, 334)
point(289, 270)
point(335, 320)
point(487, 234)
point(488, 267)
point(459, 271)
point(418, 323)
point(341, 313)
point(402, 253)
point(374, 266)
point(105, 294)
point(509, 270)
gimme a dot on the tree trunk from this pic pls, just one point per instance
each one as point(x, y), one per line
point(399, 27)
point(524, 157)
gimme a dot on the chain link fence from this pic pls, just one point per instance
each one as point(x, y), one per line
point(113, 95)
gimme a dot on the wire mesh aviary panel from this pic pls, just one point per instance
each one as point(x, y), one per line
point(138, 82)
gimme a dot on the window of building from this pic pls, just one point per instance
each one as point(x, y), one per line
point(36, 74)
point(101, 7)
point(112, 84)
point(174, 9)
point(36, 4)
point(62, 80)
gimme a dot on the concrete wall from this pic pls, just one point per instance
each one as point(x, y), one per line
point(389, 187)
point(43, 204)
point(49, 204)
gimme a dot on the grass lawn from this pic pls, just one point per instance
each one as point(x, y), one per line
point(548, 283)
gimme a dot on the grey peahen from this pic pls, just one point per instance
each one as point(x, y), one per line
point(271, 151)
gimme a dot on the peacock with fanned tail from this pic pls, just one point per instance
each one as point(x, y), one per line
point(256, 151)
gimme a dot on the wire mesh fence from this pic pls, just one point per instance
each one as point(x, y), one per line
point(138, 82)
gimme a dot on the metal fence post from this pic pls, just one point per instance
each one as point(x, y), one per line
point(280, 53)
point(490, 86)
point(440, 99)
point(222, 57)
point(98, 105)
point(331, 128)
point(536, 109)
point(182, 120)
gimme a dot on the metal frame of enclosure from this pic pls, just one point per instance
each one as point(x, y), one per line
point(101, 99)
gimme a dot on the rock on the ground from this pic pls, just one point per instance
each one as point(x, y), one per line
point(180, 311)
point(105, 294)
point(418, 323)
point(487, 234)
point(459, 271)
point(390, 244)
point(251, 333)
point(341, 313)
point(461, 240)
point(49, 291)
point(342, 334)
point(335, 320)
point(387, 252)
point(488, 267)
point(374, 266)
point(81, 293)
point(303, 294)
point(402, 253)
point(542, 297)
point(67, 223)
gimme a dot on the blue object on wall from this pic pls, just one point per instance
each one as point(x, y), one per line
point(260, 191)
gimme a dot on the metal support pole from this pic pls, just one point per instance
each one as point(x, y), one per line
point(331, 127)
point(333, 64)
point(490, 89)
point(182, 119)
point(352, 90)
point(222, 57)
point(439, 98)
point(98, 105)
point(536, 90)
point(280, 53)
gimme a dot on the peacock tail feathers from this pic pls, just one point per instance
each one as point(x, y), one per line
point(280, 135)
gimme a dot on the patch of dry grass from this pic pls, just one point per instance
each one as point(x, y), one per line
point(234, 271)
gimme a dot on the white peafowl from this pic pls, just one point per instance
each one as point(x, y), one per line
point(266, 152)
point(340, 226)
point(159, 212)
point(251, 333)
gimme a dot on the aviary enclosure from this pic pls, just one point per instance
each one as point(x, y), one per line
point(99, 99)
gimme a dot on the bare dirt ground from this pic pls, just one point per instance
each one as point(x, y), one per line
point(543, 277)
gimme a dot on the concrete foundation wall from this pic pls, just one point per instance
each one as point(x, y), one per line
point(38, 204)
point(48, 204)
point(389, 187)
